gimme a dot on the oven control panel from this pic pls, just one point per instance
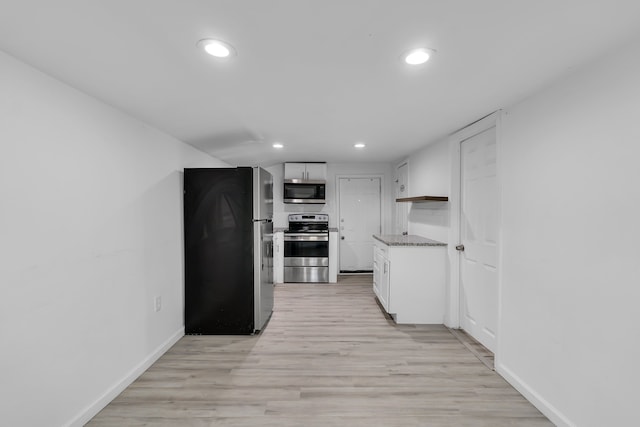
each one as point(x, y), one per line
point(308, 218)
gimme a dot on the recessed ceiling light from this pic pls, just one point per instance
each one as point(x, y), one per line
point(217, 48)
point(417, 56)
point(359, 145)
point(277, 145)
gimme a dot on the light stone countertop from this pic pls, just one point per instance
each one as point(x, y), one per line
point(410, 240)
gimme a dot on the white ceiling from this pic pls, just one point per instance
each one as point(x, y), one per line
point(316, 75)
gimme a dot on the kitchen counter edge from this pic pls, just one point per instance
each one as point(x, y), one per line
point(408, 240)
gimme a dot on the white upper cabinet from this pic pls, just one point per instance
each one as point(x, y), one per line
point(316, 171)
point(295, 170)
point(306, 171)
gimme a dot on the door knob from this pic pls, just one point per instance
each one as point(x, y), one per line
point(460, 248)
point(341, 237)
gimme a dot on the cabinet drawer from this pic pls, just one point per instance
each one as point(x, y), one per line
point(380, 248)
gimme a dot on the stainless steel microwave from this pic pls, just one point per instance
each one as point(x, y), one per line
point(299, 191)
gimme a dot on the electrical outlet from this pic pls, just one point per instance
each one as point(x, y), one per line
point(157, 303)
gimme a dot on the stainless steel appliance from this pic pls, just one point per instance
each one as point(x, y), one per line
point(306, 249)
point(303, 191)
point(228, 232)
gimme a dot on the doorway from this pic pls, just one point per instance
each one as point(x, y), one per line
point(359, 218)
point(478, 231)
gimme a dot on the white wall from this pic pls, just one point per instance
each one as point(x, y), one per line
point(569, 330)
point(90, 219)
point(429, 175)
point(570, 278)
point(334, 170)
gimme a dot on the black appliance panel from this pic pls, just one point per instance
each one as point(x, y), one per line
point(306, 248)
point(218, 213)
point(304, 192)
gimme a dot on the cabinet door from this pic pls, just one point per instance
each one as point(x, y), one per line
point(317, 171)
point(381, 274)
point(278, 257)
point(385, 284)
point(376, 272)
point(295, 171)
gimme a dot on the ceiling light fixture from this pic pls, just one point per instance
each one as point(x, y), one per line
point(359, 145)
point(217, 48)
point(277, 145)
point(417, 56)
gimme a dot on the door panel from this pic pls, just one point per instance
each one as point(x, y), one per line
point(219, 237)
point(359, 221)
point(295, 171)
point(263, 194)
point(479, 235)
point(263, 272)
point(316, 171)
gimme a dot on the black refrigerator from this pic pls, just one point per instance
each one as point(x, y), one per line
point(228, 245)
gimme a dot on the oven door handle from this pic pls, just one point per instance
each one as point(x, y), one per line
point(306, 237)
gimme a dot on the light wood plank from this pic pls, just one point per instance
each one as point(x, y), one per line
point(328, 357)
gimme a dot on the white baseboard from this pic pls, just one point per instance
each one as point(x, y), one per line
point(550, 411)
point(89, 412)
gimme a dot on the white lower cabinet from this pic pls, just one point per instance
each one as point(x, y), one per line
point(278, 257)
point(333, 256)
point(381, 276)
point(409, 282)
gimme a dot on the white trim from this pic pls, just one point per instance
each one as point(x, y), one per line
point(452, 313)
point(499, 143)
point(92, 410)
point(383, 185)
point(549, 411)
point(394, 205)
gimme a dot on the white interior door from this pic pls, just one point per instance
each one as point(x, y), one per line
point(402, 190)
point(359, 219)
point(479, 235)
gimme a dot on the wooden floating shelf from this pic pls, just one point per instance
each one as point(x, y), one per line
point(424, 199)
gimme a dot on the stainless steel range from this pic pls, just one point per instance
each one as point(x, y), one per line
point(306, 249)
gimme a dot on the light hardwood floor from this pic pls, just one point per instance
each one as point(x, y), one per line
point(328, 357)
